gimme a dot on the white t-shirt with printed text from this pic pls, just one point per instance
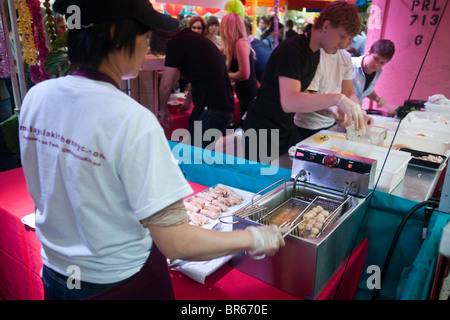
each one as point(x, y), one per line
point(96, 162)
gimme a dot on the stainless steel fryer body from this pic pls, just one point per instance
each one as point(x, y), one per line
point(303, 267)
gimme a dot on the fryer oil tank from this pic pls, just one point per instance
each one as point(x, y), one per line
point(303, 267)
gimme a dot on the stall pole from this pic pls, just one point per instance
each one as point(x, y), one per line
point(19, 87)
point(444, 203)
point(275, 23)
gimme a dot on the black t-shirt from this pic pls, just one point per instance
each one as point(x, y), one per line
point(369, 78)
point(203, 65)
point(251, 81)
point(246, 90)
point(293, 59)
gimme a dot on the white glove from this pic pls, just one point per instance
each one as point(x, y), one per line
point(352, 110)
point(381, 102)
point(267, 239)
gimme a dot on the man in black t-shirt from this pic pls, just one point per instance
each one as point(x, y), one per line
point(288, 73)
point(290, 32)
point(202, 65)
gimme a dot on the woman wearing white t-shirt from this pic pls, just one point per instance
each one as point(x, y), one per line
point(107, 190)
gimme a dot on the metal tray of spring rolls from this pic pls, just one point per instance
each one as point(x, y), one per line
point(416, 161)
point(245, 198)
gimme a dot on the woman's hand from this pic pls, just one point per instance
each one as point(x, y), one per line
point(165, 118)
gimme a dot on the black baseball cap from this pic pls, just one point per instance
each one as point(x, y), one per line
point(96, 11)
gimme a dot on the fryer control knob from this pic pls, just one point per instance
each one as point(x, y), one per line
point(330, 161)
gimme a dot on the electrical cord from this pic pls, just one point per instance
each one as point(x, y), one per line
point(394, 241)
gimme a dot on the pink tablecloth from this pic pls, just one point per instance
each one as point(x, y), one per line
point(180, 121)
point(20, 261)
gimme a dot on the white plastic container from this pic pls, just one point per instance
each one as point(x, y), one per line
point(432, 107)
point(428, 118)
point(404, 140)
point(373, 135)
point(438, 133)
point(394, 170)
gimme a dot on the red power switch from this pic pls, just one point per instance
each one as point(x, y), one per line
point(330, 161)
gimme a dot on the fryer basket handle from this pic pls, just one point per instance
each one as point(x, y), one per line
point(259, 192)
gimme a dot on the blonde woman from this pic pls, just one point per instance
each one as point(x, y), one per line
point(240, 59)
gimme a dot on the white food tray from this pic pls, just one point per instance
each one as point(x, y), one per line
point(416, 142)
point(200, 270)
point(246, 199)
point(394, 170)
point(439, 119)
point(437, 133)
point(314, 141)
point(432, 107)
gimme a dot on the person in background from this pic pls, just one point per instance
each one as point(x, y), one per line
point(212, 31)
point(268, 37)
point(262, 52)
point(240, 59)
point(333, 75)
point(358, 44)
point(107, 189)
point(185, 20)
point(290, 29)
point(197, 24)
point(368, 68)
point(263, 25)
point(289, 71)
point(60, 25)
point(8, 158)
point(202, 65)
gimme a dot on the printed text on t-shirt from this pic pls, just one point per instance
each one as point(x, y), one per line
point(58, 141)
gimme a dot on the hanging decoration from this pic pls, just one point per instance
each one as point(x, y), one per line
point(201, 11)
point(31, 30)
point(5, 70)
point(255, 18)
point(275, 23)
point(213, 10)
point(173, 9)
point(50, 21)
point(25, 28)
point(158, 6)
point(38, 71)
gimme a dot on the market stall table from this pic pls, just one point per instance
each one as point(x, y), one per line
point(21, 263)
point(180, 121)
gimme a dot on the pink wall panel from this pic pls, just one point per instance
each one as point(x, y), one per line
point(410, 24)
